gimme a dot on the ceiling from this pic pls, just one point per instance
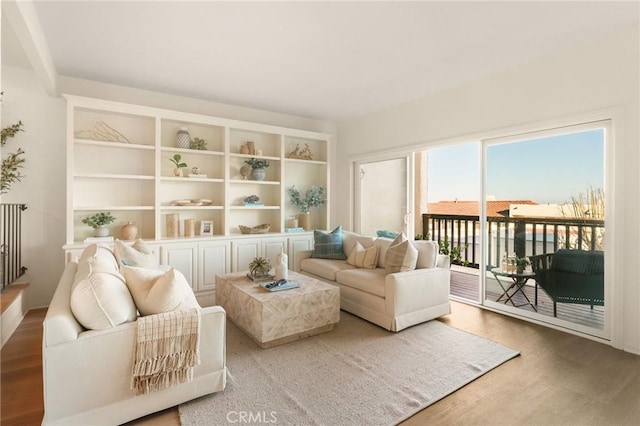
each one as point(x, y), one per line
point(324, 60)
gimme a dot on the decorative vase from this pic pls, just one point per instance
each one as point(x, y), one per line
point(177, 172)
point(129, 231)
point(282, 266)
point(188, 228)
point(520, 269)
point(173, 225)
point(183, 138)
point(252, 147)
point(101, 231)
point(258, 174)
point(304, 220)
point(244, 149)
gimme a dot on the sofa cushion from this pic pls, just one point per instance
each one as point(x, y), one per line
point(427, 253)
point(349, 240)
point(136, 254)
point(156, 292)
point(100, 298)
point(328, 245)
point(383, 245)
point(324, 268)
point(401, 256)
point(361, 257)
point(368, 280)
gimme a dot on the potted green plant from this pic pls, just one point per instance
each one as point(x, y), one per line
point(98, 222)
point(521, 264)
point(258, 166)
point(314, 197)
point(454, 253)
point(259, 266)
point(179, 165)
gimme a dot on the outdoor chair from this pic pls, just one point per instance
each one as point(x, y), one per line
point(571, 276)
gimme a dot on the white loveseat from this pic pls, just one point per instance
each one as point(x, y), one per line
point(393, 301)
point(87, 373)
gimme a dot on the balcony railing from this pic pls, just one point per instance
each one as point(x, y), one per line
point(11, 267)
point(524, 236)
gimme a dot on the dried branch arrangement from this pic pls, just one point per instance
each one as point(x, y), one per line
point(102, 132)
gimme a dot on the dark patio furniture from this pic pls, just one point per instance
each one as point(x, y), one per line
point(571, 276)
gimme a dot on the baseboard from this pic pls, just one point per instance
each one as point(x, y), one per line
point(14, 309)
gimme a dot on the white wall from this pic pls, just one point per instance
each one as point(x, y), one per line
point(600, 75)
point(44, 140)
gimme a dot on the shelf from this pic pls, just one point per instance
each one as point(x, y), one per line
point(259, 182)
point(94, 208)
point(299, 161)
point(262, 157)
point(254, 208)
point(191, 151)
point(191, 207)
point(111, 176)
point(191, 180)
point(114, 144)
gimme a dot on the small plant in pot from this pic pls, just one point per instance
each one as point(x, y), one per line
point(258, 166)
point(259, 267)
point(99, 222)
point(179, 165)
point(521, 264)
point(314, 197)
point(454, 253)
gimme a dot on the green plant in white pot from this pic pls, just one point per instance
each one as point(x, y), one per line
point(99, 222)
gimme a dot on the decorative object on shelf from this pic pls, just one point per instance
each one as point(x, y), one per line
point(173, 225)
point(253, 201)
point(206, 227)
point(252, 147)
point(195, 170)
point(282, 266)
point(258, 167)
point(244, 149)
point(259, 266)
point(314, 197)
point(292, 222)
point(199, 144)
point(196, 173)
point(301, 154)
point(260, 229)
point(129, 231)
point(99, 222)
point(14, 162)
point(183, 138)
point(245, 171)
point(179, 166)
point(191, 203)
point(188, 228)
point(101, 132)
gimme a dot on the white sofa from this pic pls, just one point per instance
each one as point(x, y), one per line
point(393, 301)
point(87, 373)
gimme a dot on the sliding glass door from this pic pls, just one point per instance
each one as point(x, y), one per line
point(545, 226)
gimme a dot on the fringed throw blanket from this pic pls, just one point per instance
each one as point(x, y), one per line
point(167, 348)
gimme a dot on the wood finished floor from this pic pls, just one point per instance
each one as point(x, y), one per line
point(559, 379)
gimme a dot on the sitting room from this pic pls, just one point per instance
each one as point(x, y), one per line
point(182, 229)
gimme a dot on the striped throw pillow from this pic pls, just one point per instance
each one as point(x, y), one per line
point(401, 255)
point(361, 257)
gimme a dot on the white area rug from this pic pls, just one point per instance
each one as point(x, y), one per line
point(357, 374)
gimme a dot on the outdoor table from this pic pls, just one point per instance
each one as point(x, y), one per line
point(519, 280)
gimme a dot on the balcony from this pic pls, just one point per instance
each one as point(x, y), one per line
point(524, 236)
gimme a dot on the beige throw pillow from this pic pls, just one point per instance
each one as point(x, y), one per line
point(156, 292)
point(136, 254)
point(401, 256)
point(361, 257)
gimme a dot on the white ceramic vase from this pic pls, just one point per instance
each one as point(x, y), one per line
point(183, 138)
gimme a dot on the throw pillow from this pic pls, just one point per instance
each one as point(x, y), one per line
point(100, 298)
point(328, 245)
point(156, 292)
point(401, 255)
point(361, 257)
point(136, 254)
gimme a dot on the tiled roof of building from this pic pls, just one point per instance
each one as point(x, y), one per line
point(470, 208)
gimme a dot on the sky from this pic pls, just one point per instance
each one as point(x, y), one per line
point(545, 170)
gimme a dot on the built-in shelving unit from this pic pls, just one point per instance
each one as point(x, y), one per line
point(119, 161)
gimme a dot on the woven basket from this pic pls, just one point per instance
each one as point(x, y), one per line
point(260, 229)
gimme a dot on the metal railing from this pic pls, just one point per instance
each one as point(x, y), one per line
point(524, 236)
point(11, 246)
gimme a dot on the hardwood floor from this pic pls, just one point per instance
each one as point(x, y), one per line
point(559, 379)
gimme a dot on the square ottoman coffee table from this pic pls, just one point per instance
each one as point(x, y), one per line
point(275, 318)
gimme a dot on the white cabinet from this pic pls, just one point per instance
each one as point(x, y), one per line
point(244, 251)
point(214, 258)
point(271, 247)
point(181, 256)
point(298, 243)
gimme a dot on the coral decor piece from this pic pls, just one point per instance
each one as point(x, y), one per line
point(101, 132)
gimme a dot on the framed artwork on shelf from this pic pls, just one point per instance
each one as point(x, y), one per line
point(206, 228)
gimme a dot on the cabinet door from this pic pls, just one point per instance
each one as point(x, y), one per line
point(244, 251)
point(183, 258)
point(300, 243)
point(271, 247)
point(214, 258)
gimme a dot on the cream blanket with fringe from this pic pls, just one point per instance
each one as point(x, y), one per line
point(167, 348)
